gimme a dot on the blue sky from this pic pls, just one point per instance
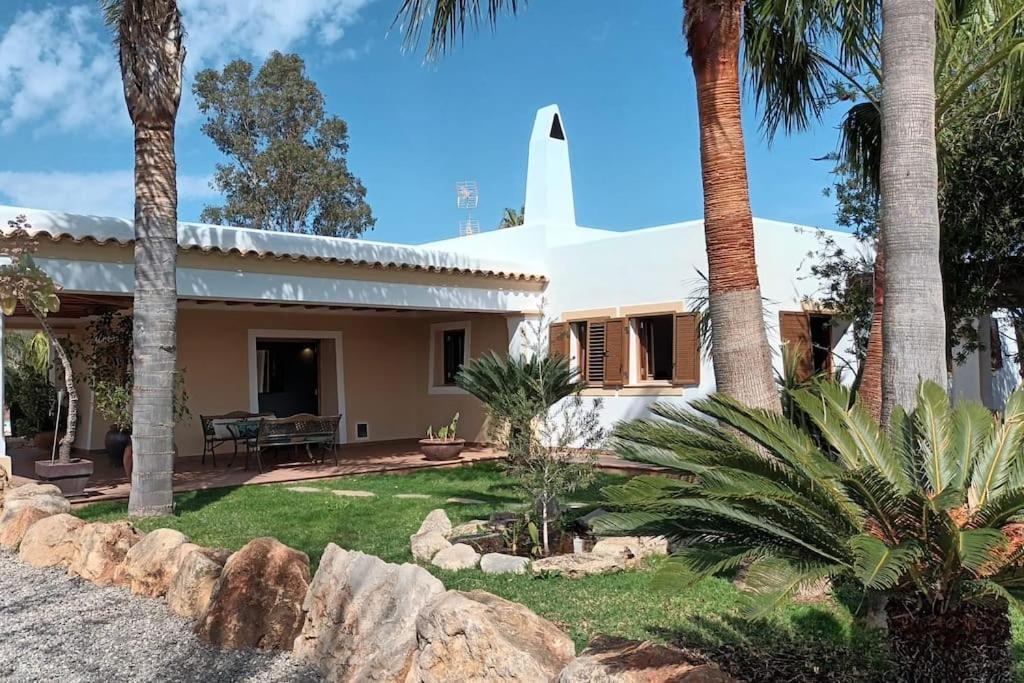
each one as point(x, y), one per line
point(617, 70)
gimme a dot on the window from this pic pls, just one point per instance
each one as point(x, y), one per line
point(809, 338)
point(454, 354)
point(654, 348)
point(451, 345)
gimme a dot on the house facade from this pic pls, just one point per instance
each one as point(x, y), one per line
point(375, 332)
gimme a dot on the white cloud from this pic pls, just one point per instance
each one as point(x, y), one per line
point(105, 193)
point(59, 69)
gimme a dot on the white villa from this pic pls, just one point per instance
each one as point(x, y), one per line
point(375, 332)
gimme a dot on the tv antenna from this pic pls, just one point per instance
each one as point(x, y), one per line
point(467, 197)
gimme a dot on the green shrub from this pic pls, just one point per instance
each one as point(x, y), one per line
point(925, 515)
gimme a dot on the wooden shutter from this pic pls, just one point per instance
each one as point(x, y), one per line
point(686, 350)
point(616, 357)
point(795, 331)
point(595, 351)
point(558, 340)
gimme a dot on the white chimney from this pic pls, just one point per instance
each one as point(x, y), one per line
point(548, 177)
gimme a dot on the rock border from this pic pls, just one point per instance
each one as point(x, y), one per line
point(358, 616)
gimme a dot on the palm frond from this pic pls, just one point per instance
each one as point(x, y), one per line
point(971, 427)
point(772, 582)
point(879, 566)
point(977, 547)
point(448, 19)
point(933, 422)
point(860, 145)
point(1000, 453)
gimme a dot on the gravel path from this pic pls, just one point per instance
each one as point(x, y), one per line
point(57, 628)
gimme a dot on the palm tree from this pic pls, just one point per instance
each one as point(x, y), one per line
point(924, 514)
point(741, 354)
point(914, 320)
point(149, 38)
point(976, 73)
point(511, 218)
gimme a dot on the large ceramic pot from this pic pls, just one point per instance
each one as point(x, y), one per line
point(70, 477)
point(115, 442)
point(436, 449)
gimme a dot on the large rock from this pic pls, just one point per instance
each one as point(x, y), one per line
point(470, 528)
point(458, 556)
point(46, 497)
point(101, 549)
point(192, 587)
point(579, 565)
point(361, 616)
point(499, 563)
point(631, 547)
point(477, 636)
point(13, 530)
point(424, 546)
point(51, 541)
point(437, 521)
point(258, 600)
point(151, 563)
point(614, 660)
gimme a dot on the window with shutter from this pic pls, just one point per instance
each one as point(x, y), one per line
point(795, 332)
point(686, 350)
point(809, 336)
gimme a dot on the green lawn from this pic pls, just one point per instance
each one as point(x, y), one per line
point(799, 642)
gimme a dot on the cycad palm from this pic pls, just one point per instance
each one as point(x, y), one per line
point(925, 513)
point(517, 389)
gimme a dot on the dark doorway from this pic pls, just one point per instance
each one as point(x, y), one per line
point(288, 376)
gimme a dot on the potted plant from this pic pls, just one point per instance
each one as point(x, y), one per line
point(24, 282)
point(113, 401)
point(107, 353)
point(444, 444)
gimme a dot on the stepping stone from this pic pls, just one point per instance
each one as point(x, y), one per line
point(304, 489)
point(466, 501)
point(348, 493)
point(416, 496)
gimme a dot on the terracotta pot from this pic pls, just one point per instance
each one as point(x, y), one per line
point(436, 449)
point(115, 442)
point(70, 477)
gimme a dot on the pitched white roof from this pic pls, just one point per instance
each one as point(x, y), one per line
point(247, 242)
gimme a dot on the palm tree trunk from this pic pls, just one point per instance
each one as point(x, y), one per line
point(64, 453)
point(914, 319)
point(155, 325)
point(740, 352)
point(870, 390)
